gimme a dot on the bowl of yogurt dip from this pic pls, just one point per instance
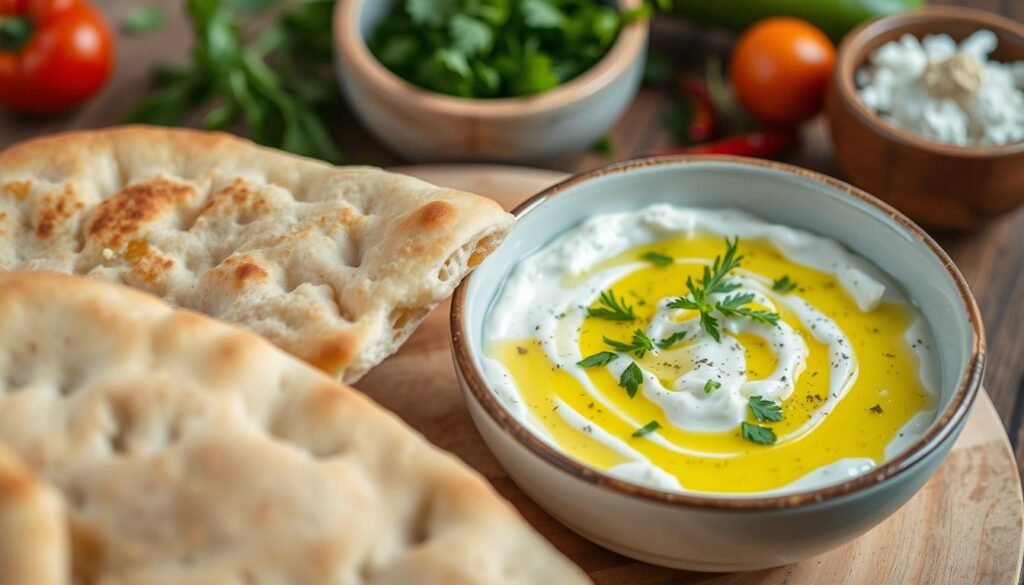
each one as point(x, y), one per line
point(926, 111)
point(716, 363)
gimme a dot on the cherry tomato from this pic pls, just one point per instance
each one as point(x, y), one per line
point(780, 70)
point(54, 54)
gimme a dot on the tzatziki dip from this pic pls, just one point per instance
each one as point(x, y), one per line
point(704, 350)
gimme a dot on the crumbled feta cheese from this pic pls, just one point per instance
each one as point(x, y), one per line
point(108, 254)
point(945, 92)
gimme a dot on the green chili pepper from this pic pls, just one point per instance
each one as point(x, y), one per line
point(835, 17)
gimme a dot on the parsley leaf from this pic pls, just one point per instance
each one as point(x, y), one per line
point(711, 385)
point(631, 379)
point(598, 359)
point(671, 340)
point(658, 259)
point(611, 308)
point(640, 345)
point(712, 282)
point(141, 20)
point(469, 35)
point(735, 306)
point(758, 434)
point(647, 429)
point(784, 284)
point(764, 410)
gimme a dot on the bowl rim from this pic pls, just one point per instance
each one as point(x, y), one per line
point(351, 47)
point(938, 433)
point(853, 53)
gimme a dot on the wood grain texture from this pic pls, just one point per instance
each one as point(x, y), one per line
point(963, 528)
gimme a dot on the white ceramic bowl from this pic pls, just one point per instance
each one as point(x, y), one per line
point(423, 125)
point(707, 532)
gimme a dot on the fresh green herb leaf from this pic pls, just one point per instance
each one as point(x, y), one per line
point(647, 429)
point(640, 345)
point(711, 385)
point(671, 340)
point(657, 259)
point(278, 85)
point(598, 359)
point(512, 48)
point(612, 309)
point(712, 282)
point(470, 35)
point(604, 147)
point(141, 20)
point(783, 285)
point(764, 410)
point(735, 306)
point(631, 379)
point(757, 434)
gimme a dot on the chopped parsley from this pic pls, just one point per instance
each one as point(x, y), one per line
point(671, 340)
point(784, 284)
point(764, 410)
point(647, 429)
point(712, 282)
point(757, 434)
point(658, 259)
point(611, 308)
point(639, 347)
point(711, 385)
point(598, 359)
point(631, 379)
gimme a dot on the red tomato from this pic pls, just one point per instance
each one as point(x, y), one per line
point(54, 54)
point(780, 69)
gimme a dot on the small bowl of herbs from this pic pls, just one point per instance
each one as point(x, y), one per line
point(506, 80)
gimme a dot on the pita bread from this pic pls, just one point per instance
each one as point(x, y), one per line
point(33, 534)
point(190, 452)
point(337, 265)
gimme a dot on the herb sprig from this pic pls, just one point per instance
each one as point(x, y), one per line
point(647, 429)
point(612, 308)
point(658, 259)
point(764, 410)
point(713, 282)
point(783, 284)
point(758, 434)
point(671, 340)
point(639, 346)
point(631, 379)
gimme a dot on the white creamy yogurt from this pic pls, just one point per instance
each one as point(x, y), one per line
point(536, 303)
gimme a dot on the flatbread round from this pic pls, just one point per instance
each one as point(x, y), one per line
point(190, 452)
point(337, 265)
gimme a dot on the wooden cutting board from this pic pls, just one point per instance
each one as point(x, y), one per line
point(964, 527)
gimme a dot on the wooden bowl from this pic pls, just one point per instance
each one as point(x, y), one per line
point(938, 185)
point(422, 125)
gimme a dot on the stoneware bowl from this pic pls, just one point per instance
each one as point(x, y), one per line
point(709, 532)
point(938, 185)
point(422, 125)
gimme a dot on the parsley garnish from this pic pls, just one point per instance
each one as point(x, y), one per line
point(640, 345)
point(631, 379)
point(658, 259)
point(611, 308)
point(764, 410)
point(647, 429)
point(783, 285)
point(671, 340)
point(598, 359)
point(712, 283)
point(711, 385)
point(757, 434)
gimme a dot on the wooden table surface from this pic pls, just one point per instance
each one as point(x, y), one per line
point(992, 258)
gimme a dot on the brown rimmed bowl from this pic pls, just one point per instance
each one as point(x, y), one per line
point(422, 125)
point(938, 185)
point(711, 532)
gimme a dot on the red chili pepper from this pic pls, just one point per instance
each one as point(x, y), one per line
point(704, 120)
point(760, 144)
